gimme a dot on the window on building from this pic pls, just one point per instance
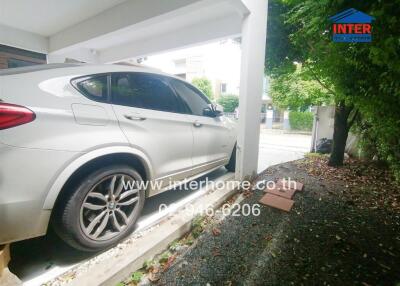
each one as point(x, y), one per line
point(143, 90)
point(223, 87)
point(15, 63)
point(11, 57)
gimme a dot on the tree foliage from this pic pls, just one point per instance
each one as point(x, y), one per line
point(280, 53)
point(229, 102)
point(297, 91)
point(362, 77)
point(204, 85)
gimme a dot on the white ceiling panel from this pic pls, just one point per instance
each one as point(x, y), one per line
point(47, 17)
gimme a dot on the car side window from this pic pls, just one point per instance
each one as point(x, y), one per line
point(94, 87)
point(195, 101)
point(143, 90)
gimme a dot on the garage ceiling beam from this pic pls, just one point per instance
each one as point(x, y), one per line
point(118, 17)
point(180, 38)
point(13, 37)
point(122, 22)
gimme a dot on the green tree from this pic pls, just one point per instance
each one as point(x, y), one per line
point(361, 77)
point(296, 91)
point(325, 62)
point(204, 85)
point(365, 76)
point(229, 102)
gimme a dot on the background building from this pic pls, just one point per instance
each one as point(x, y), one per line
point(219, 62)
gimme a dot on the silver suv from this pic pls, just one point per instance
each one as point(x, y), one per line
point(82, 146)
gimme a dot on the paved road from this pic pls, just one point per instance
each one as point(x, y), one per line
point(40, 259)
point(277, 147)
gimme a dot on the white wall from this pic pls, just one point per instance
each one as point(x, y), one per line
point(324, 126)
point(13, 37)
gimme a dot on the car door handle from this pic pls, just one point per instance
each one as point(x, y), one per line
point(134, 117)
point(197, 124)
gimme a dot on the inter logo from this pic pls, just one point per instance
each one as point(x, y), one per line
point(352, 26)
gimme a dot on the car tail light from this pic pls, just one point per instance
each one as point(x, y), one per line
point(13, 115)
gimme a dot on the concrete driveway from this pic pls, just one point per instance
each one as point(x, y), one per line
point(278, 147)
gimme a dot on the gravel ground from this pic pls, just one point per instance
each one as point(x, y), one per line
point(324, 240)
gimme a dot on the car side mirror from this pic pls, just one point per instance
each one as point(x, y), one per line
point(218, 110)
point(208, 111)
point(213, 110)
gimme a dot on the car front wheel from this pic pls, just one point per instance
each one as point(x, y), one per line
point(101, 209)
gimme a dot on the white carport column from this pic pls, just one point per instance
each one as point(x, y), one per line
point(251, 87)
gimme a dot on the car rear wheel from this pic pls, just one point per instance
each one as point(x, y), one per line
point(101, 209)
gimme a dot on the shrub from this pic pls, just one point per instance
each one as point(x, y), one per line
point(229, 102)
point(301, 120)
point(136, 277)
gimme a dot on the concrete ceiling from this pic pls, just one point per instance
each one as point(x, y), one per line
point(113, 30)
point(147, 29)
point(47, 17)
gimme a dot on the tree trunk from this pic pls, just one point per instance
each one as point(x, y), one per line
point(340, 133)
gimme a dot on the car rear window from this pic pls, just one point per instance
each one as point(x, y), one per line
point(95, 87)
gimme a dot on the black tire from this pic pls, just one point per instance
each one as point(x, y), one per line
point(231, 166)
point(67, 218)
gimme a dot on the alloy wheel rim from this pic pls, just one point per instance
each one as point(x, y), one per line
point(109, 207)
